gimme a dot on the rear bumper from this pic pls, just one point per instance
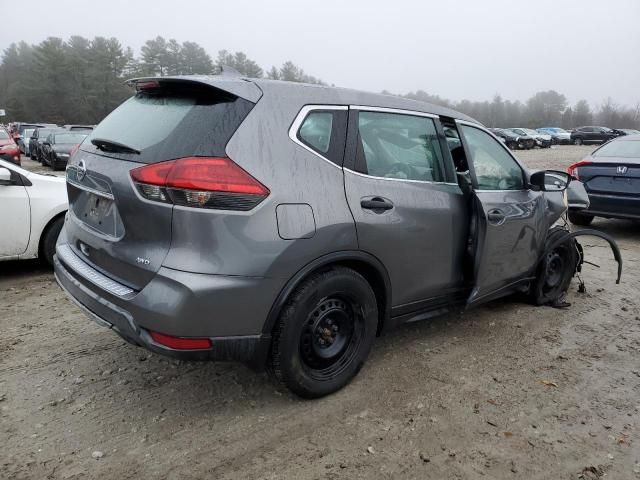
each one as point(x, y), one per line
point(230, 311)
point(614, 206)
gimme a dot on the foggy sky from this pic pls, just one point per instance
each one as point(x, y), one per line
point(469, 49)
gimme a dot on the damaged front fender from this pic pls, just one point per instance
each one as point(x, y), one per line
point(586, 232)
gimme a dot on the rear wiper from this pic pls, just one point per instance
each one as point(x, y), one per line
point(111, 146)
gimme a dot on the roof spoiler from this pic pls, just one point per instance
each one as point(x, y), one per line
point(229, 80)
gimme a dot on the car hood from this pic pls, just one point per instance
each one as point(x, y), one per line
point(6, 142)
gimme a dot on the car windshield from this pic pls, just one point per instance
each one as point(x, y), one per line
point(605, 129)
point(624, 149)
point(530, 132)
point(69, 138)
point(4, 135)
point(28, 132)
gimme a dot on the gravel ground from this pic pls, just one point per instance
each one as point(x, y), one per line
point(507, 391)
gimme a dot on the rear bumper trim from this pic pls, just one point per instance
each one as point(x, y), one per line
point(67, 256)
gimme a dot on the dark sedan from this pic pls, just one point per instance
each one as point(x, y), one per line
point(57, 148)
point(611, 177)
point(35, 142)
point(512, 140)
point(584, 135)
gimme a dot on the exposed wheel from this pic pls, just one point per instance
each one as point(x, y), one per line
point(578, 218)
point(577, 141)
point(324, 333)
point(512, 145)
point(555, 271)
point(49, 239)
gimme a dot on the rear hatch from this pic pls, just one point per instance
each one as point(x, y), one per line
point(112, 226)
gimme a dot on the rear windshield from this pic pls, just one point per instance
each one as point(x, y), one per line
point(173, 121)
point(70, 138)
point(4, 135)
point(625, 149)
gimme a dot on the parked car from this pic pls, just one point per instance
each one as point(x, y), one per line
point(23, 144)
point(286, 225)
point(513, 140)
point(32, 213)
point(626, 131)
point(611, 177)
point(584, 135)
point(559, 136)
point(57, 147)
point(35, 142)
point(79, 127)
point(21, 133)
point(542, 140)
point(8, 149)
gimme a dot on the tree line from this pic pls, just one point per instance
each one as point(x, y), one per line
point(80, 80)
point(544, 109)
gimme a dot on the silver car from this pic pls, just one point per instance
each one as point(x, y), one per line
point(286, 225)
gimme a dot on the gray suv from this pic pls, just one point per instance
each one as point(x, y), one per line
point(286, 225)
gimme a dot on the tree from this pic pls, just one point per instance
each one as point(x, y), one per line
point(582, 114)
point(290, 72)
point(155, 57)
point(546, 108)
point(195, 60)
point(240, 62)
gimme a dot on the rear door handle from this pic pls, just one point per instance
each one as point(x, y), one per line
point(376, 203)
point(495, 216)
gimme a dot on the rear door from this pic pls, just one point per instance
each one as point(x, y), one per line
point(409, 212)
point(123, 230)
point(510, 228)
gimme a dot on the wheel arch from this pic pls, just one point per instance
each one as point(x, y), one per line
point(364, 263)
point(46, 228)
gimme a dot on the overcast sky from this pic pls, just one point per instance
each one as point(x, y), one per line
point(456, 49)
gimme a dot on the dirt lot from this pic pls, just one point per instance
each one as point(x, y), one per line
point(503, 392)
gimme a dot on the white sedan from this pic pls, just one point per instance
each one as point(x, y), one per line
point(32, 210)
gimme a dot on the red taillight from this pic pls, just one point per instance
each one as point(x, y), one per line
point(573, 169)
point(147, 85)
point(181, 343)
point(204, 182)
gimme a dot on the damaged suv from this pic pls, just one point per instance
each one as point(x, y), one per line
point(286, 225)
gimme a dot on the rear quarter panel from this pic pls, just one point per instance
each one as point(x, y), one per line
point(248, 243)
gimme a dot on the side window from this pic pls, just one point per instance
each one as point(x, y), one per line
point(324, 132)
point(401, 146)
point(315, 131)
point(495, 169)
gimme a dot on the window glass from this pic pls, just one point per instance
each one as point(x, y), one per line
point(316, 129)
point(4, 135)
point(398, 146)
point(495, 169)
point(621, 148)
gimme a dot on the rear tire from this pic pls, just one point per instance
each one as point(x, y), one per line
point(324, 333)
point(578, 141)
point(49, 239)
point(555, 271)
point(581, 219)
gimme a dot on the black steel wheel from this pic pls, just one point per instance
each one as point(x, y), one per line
point(556, 269)
point(325, 333)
